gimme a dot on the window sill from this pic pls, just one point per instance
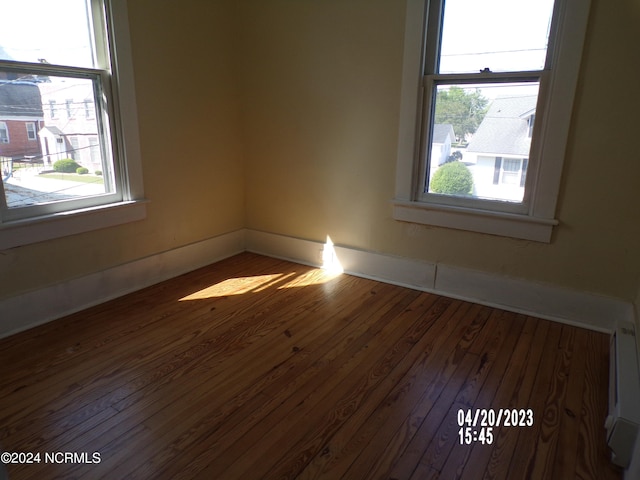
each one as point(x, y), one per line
point(33, 230)
point(494, 223)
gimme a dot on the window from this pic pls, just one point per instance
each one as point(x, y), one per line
point(94, 149)
point(531, 120)
point(52, 109)
point(75, 147)
point(4, 133)
point(69, 108)
point(511, 171)
point(501, 74)
point(75, 66)
point(88, 109)
point(31, 131)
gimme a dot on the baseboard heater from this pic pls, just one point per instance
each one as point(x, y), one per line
point(623, 422)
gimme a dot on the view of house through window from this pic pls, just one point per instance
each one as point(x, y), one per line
point(483, 85)
point(50, 158)
point(487, 130)
point(54, 126)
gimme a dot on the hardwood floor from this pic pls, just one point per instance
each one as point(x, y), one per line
point(259, 368)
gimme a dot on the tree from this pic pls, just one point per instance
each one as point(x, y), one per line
point(464, 110)
point(453, 178)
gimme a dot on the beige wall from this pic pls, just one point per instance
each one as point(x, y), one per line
point(191, 151)
point(321, 139)
point(298, 101)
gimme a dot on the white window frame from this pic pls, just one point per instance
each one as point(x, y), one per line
point(4, 138)
point(31, 131)
point(69, 108)
point(88, 109)
point(75, 146)
point(111, 29)
point(94, 148)
point(518, 172)
point(553, 116)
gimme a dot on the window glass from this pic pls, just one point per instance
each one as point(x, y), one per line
point(511, 171)
point(501, 35)
point(46, 31)
point(483, 129)
point(71, 158)
point(31, 131)
point(4, 133)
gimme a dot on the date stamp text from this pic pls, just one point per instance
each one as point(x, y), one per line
point(477, 426)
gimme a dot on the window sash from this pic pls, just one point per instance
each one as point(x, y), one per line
point(31, 131)
point(430, 84)
point(4, 132)
point(101, 81)
point(511, 170)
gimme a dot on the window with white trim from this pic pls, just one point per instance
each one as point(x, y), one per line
point(4, 133)
point(74, 64)
point(53, 112)
point(31, 131)
point(88, 108)
point(502, 74)
point(69, 107)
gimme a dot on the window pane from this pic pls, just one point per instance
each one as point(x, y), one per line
point(481, 139)
point(46, 31)
point(31, 168)
point(511, 171)
point(502, 35)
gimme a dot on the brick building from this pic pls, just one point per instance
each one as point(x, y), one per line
point(21, 118)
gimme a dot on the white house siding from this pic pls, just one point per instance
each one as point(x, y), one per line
point(439, 154)
point(443, 136)
point(70, 123)
point(483, 186)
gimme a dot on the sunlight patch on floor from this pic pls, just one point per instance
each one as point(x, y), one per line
point(331, 268)
point(237, 286)
point(314, 277)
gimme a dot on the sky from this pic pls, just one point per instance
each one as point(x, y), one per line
point(497, 34)
point(502, 35)
point(56, 31)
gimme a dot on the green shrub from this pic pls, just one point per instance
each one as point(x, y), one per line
point(66, 165)
point(452, 178)
point(82, 171)
point(98, 172)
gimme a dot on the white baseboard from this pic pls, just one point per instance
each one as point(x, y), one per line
point(386, 268)
point(573, 307)
point(40, 306)
point(297, 250)
point(542, 300)
point(546, 301)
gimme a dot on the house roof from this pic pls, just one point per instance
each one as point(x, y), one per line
point(441, 131)
point(53, 130)
point(20, 99)
point(505, 127)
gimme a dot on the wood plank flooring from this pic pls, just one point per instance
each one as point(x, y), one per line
point(258, 368)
